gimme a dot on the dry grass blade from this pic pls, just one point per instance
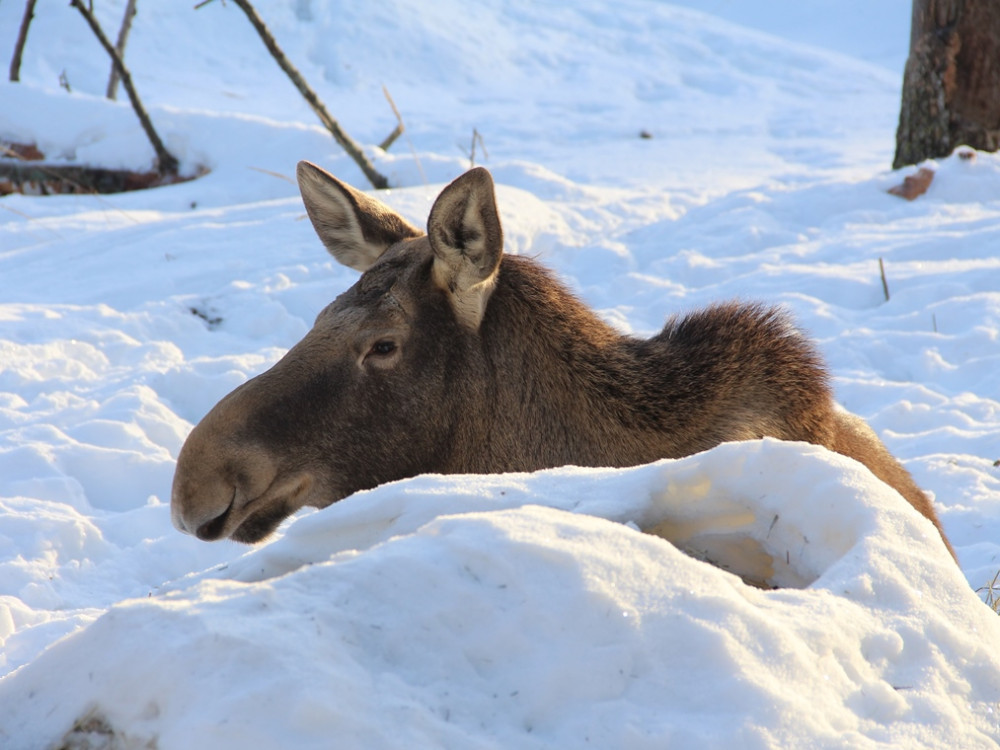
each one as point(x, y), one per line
point(992, 589)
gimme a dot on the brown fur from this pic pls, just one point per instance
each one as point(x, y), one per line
point(448, 356)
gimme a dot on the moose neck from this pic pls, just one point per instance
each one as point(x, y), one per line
point(564, 382)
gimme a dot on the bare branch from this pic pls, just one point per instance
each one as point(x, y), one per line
point(400, 127)
point(346, 142)
point(166, 163)
point(477, 137)
point(391, 138)
point(22, 37)
point(123, 32)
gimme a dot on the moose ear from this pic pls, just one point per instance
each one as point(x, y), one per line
point(354, 228)
point(465, 234)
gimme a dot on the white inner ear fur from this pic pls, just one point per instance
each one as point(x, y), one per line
point(469, 303)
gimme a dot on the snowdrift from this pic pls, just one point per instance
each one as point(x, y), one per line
point(530, 611)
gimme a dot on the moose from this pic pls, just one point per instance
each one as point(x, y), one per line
point(449, 356)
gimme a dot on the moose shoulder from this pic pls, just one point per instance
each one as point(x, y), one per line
point(448, 356)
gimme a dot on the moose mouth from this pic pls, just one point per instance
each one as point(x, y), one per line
point(256, 527)
point(261, 524)
point(263, 514)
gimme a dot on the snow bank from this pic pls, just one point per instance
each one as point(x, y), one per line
point(488, 611)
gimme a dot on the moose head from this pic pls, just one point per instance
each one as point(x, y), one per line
point(370, 394)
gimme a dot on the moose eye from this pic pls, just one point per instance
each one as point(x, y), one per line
point(382, 348)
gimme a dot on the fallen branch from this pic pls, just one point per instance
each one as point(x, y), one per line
point(123, 32)
point(165, 161)
point(22, 37)
point(346, 142)
point(34, 178)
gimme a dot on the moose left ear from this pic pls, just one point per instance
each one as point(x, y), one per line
point(355, 228)
point(465, 234)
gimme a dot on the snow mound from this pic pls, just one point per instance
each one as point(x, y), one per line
point(530, 611)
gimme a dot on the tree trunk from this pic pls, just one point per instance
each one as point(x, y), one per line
point(951, 85)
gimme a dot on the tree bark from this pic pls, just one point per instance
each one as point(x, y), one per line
point(346, 142)
point(22, 37)
point(166, 163)
point(951, 85)
point(123, 32)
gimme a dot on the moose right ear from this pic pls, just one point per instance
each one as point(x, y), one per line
point(467, 239)
point(355, 228)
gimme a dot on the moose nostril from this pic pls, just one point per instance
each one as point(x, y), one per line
point(212, 530)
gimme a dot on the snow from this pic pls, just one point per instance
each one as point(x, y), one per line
point(515, 610)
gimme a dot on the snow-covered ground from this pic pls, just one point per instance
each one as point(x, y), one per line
point(501, 611)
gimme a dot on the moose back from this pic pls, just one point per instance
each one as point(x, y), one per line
point(449, 356)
